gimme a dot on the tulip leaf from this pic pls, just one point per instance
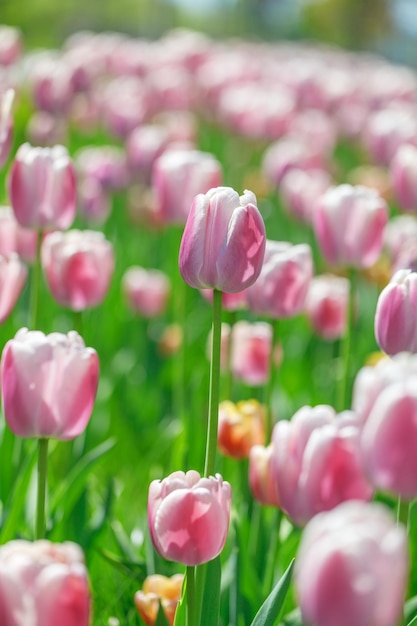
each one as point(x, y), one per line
point(18, 497)
point(133, 569)
point(181, 612)
point(211, 594)
point(413, 621)
point(271, 610)
point(161, 619)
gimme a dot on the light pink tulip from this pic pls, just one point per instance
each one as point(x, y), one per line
point(251, 349)
point(177, 177)
point(281, 288)
point(399, 231)
point(6, 125)
point(351, 567)
point(388, 129)
point(403, 169)
point(189, 516)
point(317, 463)
point(396, 314)
point(107, 164)
point(78, 266)
point(42, 187)
point(14, 238)
point(300, 189)
point(291, 152)
point(326, 305)
point(12, 280)
point(261, 477)
point(94, 202)
point(143, 146)
point(146, 291)
point(125, 104)
point(45, 129)
point(349, 224)
point(223, 244)
point(10, 45)
point(48, 383)
point(51, 84)
point(43, 584)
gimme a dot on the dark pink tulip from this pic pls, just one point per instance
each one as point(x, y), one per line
point(349, 224)
point(223, 244)
point(189, 516)
point(6, 125)
point(78, 266)
point(261, 477)
point(12, 280)
point(326, 305)
point(403, 168)
point(43, 584)
point(48, 383)
point(317, 462)
point(281, 288)
point(146, 291)
point(396, 314)
point(178, 176)
point(42, 187)
point(10, 45)
point(300, 189)
point(251, 349)
point(351, 567)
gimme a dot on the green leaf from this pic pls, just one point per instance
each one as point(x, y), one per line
point(271, 610)
point(133, 569)
point(211, 594)
point(413, 621)
point(18, 497)
point(181, 612)
point(161, 619)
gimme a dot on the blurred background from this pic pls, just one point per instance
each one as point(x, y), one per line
point(385, 26)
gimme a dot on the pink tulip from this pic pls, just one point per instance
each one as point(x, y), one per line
point(261, 477)
point(51, 84)
point(396, 314)
point(42, 187)
point(143, 146)
point(14, 238)
point(10, 45)
point(6, 125)
point(326, 305)
point(317, 462)
point(352, 567)
point(48, 383)
point(291, 152)
point(94, 201)
point(281, 288)
point(300, 189)
point(189, 516)
point(45, 129)
point(106, 164)
point(251, 349)
point(78, 265)
point(146, 291)
point(43, 584)
point(399, 232)
point(223, 244)
point(12, 280)
point(177, 177)
point(349, 225)
point(403, 168)
point(387, 129)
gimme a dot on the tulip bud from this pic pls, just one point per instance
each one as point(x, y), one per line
point(189, 516)
point(241, 426)
point(223, 244)
point(78, 267)
point(327, 305)
point(352, 567)
point(251, 349)
point(42, 188)
point(48, 383)
point(159, 590)
point(43, 584)
point(146, 291)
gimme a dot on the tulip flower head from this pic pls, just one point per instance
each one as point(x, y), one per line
point(146, 291)
point(223, 244)
point(327, 305)
point(159, 590)
point(12, 280)
point(262, 479)
point(241, 426)
point(49, 384)
point(6, 125)
point(189, 516)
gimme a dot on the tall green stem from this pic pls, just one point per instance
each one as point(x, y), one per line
point(35, 284)
point(78, 322)
point(42, 482)
point(214, 392)
point(271, 381)
point(191, 597)
point(403, 512)
point(346, 345)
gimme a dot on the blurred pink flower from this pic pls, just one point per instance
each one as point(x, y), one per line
point(6, 124)
point(251, 349)
point(189, 516)
point(300, 189)
point(48, 383)
point(12, 280)
point(261, 477)
point(326, 305)
point(10, 45)
point(403, 169)
point(14, 238)
point(146, 290)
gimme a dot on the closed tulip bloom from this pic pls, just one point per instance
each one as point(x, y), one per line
point(300, 189)
point(403, 169)
point(396, 314)
point(250, 352)
point(262, 480)
point(349, 224)
point(177, 177)
point(6, 125)
point(43, 584)
point(189, 516)
point(10, 45)
point(281, 288)
point(12, 280)
point(317, 462)
point(42, 188)
point(326, 305)
point(146, 291)
point(351, 567)
point(223, 244)
point(49, 384)
point(159, 590)
point(14, 238)
point(105, 164)
point(78, 266)
point(241, 426)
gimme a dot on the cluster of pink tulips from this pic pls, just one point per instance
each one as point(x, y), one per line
point(257, 473)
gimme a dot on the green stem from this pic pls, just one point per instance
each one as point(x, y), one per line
point(346, 344)
point(228, 387)
point(78, 322)
point(272, 553)
point(42, 481)
point(271, 382)
point(214, 392)
point(191, 597)
point(35, 284)
point(403, 511)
